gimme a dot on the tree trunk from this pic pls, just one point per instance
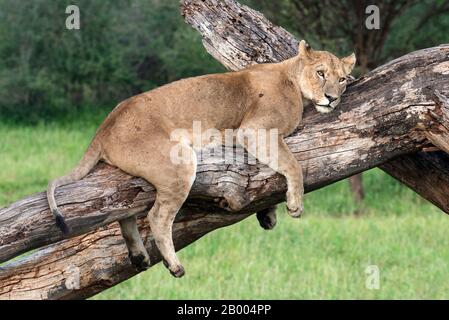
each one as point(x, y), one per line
point(358, 193)
point(389, 113)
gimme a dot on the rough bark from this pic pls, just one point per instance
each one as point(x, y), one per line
point(389, 113)
point(423, 172)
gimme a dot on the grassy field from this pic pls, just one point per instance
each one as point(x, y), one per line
point(322, 256)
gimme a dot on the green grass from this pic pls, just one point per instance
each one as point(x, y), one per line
point(322, 256)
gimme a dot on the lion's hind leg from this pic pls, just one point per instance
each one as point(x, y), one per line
point(171, 168)
point(172, 191)
point(136, 249)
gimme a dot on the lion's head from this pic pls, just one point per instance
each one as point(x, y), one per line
point(323, 76)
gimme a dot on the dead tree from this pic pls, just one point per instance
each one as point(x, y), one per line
point(386, 119)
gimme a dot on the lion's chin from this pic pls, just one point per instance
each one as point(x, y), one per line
point(323, 109)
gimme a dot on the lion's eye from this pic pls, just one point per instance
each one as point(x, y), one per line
point(342, 80)
point(320, 73)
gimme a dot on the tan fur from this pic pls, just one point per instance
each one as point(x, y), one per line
point(136, 135)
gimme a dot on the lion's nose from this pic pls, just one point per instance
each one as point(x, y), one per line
point(330, 98)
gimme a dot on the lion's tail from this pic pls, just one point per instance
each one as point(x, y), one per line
point(89, 160)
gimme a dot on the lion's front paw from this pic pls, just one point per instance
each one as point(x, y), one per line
point(295, 206)
point(296, 212)
point(267, 218)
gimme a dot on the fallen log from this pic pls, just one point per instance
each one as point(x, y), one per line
point(389, 113)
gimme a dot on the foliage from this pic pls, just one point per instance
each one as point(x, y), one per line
point(339, 26)
point(123, 48)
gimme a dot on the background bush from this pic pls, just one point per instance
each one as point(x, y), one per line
point(122, 48)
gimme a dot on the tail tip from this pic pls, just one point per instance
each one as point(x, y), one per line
point(60, 222)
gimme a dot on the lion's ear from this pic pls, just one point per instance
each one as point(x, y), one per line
point(304, 50)
point(349, 63)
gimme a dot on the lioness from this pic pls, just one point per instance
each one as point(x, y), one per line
point(135, 136)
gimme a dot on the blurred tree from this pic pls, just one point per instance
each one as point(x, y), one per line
point(405, 25)
point(123, 48)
